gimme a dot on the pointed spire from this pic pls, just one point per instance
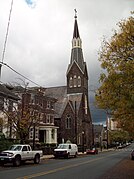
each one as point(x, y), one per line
point(76, 30)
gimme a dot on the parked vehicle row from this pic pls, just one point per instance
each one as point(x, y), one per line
point(17, 154)
point(120, 146)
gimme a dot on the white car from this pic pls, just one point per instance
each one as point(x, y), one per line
point(20, 153)
point(66, 150)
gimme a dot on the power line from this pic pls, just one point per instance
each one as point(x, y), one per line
point(19, 73)
point(5, 43)
point(4, 49)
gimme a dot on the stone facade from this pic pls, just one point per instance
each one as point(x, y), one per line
point(72, 106)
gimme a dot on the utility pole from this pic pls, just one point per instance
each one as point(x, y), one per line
point(5, 42)
point(33, 135)
point(83, 141)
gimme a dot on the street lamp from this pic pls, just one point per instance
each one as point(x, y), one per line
point(82, 141)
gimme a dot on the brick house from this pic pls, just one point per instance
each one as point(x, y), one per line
point(72, 106)
point(41, 111)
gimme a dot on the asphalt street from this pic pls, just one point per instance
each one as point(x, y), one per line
point(82, 167)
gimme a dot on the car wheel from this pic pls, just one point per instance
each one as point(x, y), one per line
point(37, 159)
point(67, 156)
point(2, 164)
point(75, 155)
point(17, 161)
point(132, 158)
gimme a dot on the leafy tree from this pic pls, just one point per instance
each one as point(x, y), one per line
point(119, 136)
point(116, 93)
point(21, 119)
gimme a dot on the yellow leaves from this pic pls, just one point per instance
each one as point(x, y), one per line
point(120, 48)
point(116, 92)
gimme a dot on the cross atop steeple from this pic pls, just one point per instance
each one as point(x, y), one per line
point(75, 13)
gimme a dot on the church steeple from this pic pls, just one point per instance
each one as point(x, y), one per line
point(76, 41)
point(77, 76)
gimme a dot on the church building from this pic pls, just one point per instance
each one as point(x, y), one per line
point(72, 107)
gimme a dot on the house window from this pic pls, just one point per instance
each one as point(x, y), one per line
point(71, 82)
point(41, 116)
point(79, 81)
point(48, 104)
point(48, 118)
point(52, 119)
point(32, 99)
point(75, 81)
point(68, 122)
point(52, 133)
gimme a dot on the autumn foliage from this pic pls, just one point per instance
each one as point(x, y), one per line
point(116, 93)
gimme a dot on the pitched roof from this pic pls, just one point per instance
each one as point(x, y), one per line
point(5, 92)
point(60, 93)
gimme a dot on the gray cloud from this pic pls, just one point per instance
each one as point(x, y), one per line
point(39, 41)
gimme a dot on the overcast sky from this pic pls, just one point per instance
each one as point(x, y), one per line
point(40, 34)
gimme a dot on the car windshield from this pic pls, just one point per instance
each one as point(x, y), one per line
point(63, 147)
point(15, 147)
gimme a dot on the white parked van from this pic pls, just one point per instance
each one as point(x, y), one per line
point(66, 150)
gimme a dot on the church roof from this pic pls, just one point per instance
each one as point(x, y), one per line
point(60, 93)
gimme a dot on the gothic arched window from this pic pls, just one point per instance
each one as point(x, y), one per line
point(68, 122)
point(71, 82)
point(75, 81)
point(79, 81)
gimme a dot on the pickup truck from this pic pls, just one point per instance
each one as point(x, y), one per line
point(20, 153)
